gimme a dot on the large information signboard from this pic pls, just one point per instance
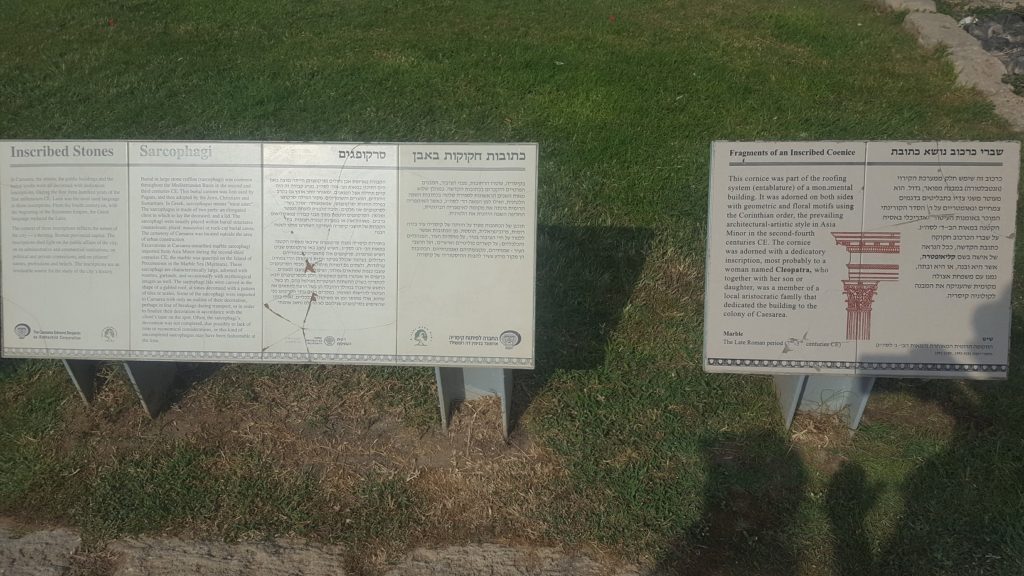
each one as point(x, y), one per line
point(861, 258)
point(418, 254)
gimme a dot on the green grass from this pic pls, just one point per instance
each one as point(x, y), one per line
point(30, 408)
point(664, 462)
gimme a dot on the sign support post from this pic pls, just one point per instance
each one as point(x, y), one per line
point(83, 376)
point(816, 393)
point(458, 384)
point(152, 382)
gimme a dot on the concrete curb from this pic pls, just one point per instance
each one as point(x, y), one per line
point(52, 553)
point(497, 560)
point(974, 66)
point(174, 557)
point(39, 553)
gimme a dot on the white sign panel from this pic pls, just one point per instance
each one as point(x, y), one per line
point(244, 251)
point(865, 258)
point(330, 214)
point(65, 234)
point(464, 240)
point(194, 264)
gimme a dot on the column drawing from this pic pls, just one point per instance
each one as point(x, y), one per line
point(862, 281)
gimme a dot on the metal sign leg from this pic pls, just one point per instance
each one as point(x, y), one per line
point(83, 376)
point(152, 382)
point(788, 390)
point(824, 394)
point(859, 394)
point(455, 384)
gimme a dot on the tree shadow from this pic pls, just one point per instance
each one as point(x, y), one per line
point(585, 277)
point(755, 484)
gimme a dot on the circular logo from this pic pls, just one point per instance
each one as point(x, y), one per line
point(22, 330)
point(109, 334)
point(329, 341)
point(421, 336)
point(510, 339)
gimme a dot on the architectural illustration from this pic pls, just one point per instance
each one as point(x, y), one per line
point(862, 280)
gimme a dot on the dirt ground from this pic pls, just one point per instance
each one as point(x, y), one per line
point(55, 553)
point(471, 484)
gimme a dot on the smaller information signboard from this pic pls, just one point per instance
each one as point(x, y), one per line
point(861, 258)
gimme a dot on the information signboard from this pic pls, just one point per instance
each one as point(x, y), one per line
point(365, 253)
point(861, 258)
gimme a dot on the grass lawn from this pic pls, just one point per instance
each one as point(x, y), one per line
point(624, 446)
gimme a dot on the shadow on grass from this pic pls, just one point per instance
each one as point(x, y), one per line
point(963, 509)
point(960, 510)
point(963, 512)
point(188, 375)
point(755, 484)
point(160, 397)
point(585, 277)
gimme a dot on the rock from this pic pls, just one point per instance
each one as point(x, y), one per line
point(1015, 36)
point(40, 553)
point(978, 30)
point(995, 44)
point(910, 5)
point(1006, 19)
point(989, 4)
point(974, 66)
point(1015, 64)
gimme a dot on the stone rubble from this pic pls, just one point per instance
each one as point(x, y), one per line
point(975, 66)
point(1002, 35)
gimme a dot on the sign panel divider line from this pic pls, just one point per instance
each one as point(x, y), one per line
point(860, 256)
point(398, 223)
point(263, 249)
point(128, 232)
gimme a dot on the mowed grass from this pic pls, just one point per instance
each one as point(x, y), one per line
point(653, 459)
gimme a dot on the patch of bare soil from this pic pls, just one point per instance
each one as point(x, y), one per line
point(470, 484)
point(896, 406)
point(821, 439)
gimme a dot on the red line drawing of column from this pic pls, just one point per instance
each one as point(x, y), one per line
point(859, 297)
point(862, 280)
